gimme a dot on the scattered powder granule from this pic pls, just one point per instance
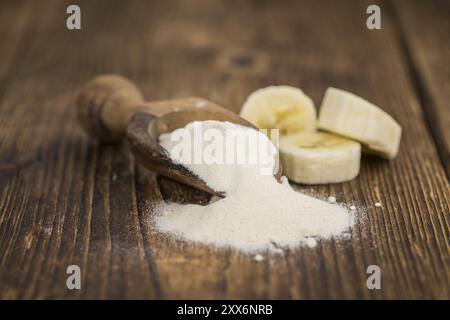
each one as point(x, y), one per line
point(331, 199)
point(346, 236)
point(377, 204)
point(353, 208)
point(258, 258)
point(311, 242)
point(256, 211)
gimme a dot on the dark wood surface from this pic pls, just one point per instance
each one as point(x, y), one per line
point(65, 199)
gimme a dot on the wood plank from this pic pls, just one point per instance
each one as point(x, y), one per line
point(67, 200)
point(14, 17)
point(429, 51)
point(65, 195)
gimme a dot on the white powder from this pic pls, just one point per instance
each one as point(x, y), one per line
point(258, 213)
point(377, 204)
point(311, 242)
point(331, 199)
point(258, 258)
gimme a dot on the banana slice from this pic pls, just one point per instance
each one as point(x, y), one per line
point(348, 115)
point(280, 107)
point(318, 157)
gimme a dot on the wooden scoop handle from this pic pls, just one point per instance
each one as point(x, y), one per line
point(108, 102)
point(106, 105)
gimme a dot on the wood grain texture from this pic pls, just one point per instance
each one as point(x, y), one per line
point(429, 51)
point(67, 200)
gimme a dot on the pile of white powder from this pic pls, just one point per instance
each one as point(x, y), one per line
point(258, 212)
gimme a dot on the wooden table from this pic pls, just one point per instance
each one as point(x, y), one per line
point(67, 200)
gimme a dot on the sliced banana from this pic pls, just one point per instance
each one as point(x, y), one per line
point(318, 157)
point(280, 107)
point(348, 115)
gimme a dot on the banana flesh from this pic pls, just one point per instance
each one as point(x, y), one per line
point(309, 156)
point(346, 114)
point(318, 157)
point(280, 107)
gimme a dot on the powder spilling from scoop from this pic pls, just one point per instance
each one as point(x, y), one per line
point(258, 212)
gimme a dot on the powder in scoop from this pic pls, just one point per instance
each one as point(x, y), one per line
point(258, 212)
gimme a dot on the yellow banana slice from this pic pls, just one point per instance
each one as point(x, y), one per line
point(280, 107)
point(318, 157)
point(348, 115)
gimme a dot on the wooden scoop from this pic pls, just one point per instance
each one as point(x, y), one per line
point(111, 107)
